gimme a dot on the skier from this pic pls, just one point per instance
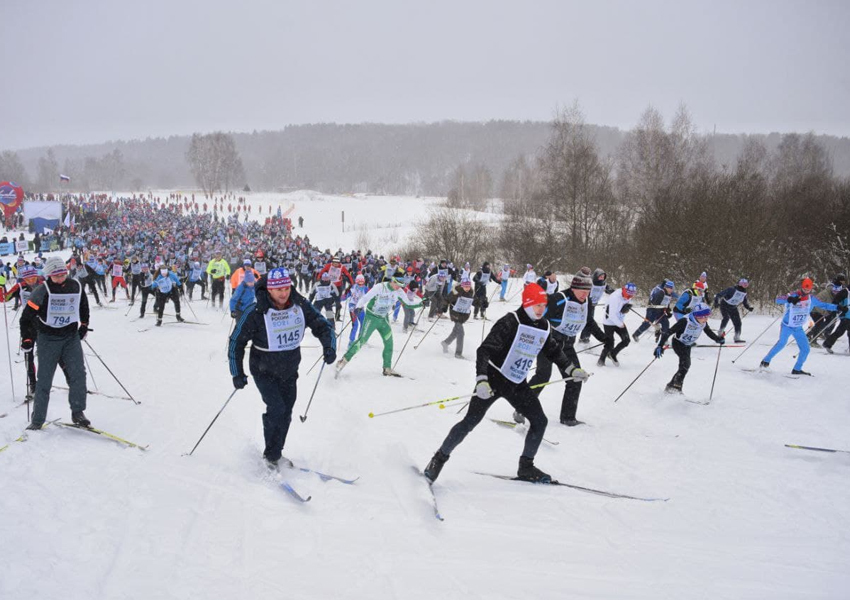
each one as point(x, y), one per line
point(504, 277)
point(481, 302)
point(567, 314)
point(239, 274)
point(614, 322)
point(459, 304)
point(244, 296)
point(530, 276)
point(798, 305)
point(689, 299)
point(275, 326)
point(146, 287)
point(196, 277)
point(658, 310)
point(824, 321)
point(600, 287)
point(841, 301)
point(685, 334)
point(341, 280)
point(57, 316)
point(549, 282)
point(502, 365)
point(166, 286)
point(323, 296)
point(217, 269)
point(357, 291)
point(28, 280)
point(378, 303)
point(728, 300)
point(118, 278)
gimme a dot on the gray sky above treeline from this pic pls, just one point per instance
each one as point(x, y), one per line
point(90, 71)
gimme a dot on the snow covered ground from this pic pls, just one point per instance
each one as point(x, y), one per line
point(82, 517)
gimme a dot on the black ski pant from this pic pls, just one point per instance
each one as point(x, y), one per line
point(572, 389)
point(92, 284)
point(480, 302)
point(730, 313)
point(520, 396)
point(146, 291)
point(684, 354)
point(217, 289)
point(135, 284)
point(610, 349)
point(654, 316)
point(279, 396)
point(824, 323)
point(52, 351)
point(437, 300)
point(592, 327)
point(190, 286)
point(843, 327)
point(409, 316)
point(456, 334)
point(161, 299)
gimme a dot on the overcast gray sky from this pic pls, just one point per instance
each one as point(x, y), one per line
point(89, 71)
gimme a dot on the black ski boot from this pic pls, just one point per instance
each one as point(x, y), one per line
point(432, 471)
point(571, 422)
point(800, 372)
point(518, 418)
point(159, 322)
point(528, 472)
point(674, 387)
point(35, 426)
point(179, 318)
point(79, 418)
point(764, 365)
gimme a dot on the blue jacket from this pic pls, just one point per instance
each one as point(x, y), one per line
point(160, 283)
point(242, 298)
point(790, 307)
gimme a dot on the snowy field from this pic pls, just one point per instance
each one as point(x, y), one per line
point(83, 517)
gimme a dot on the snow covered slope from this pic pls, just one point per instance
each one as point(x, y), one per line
point(83, 517)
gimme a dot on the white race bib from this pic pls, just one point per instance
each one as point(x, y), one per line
point(527, 344)
point(798, 314)
point(574, 318)
point(692, 332)
point(463, 305)
point(117, 270)
point(737, 298)
point(62, 309)
point(284, 328)
point(323, 292)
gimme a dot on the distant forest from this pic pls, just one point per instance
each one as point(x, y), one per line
point(412, 159)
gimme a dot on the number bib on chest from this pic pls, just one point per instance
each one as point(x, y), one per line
point(691, 333)
point(165, 284)
point(284, 328)
point(383, 304)
point(574, 319)
point(798, 314)
point(485, 278)
point(117, 271)
point(260, 267)
point(527, 344)
point(463, 305)
point(596, 292)
point(737, 298)
point(63, 309)
point(323, 292)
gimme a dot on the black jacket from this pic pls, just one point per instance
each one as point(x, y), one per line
point(34, 317)
point(252, 328)
point(458, 292)
point(493, 351)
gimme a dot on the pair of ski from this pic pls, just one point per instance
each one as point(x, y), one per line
point(325, 477)
point(439, 517)
point(92, 430)
point(766, 372)
point(183, 322)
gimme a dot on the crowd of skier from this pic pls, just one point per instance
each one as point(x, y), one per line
point(279, 284)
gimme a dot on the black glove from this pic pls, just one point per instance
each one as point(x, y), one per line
point(716, 305)
point(240, 381)
point(842, 310)
point(626, 308)
point(330, 356)
point(749, 308)
point(233, 314)
point(668, 313)
point(83, 331)
point(793, 299)
point(26, 345)
point(721, 341)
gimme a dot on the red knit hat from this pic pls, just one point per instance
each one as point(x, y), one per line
point(533, 294)
point(807, 285)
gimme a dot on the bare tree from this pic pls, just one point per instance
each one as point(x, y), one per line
point(12, 169)
point(215, 162)
point(48, 172)
point(456, 235)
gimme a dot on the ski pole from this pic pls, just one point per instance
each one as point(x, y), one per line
point(815, 448)
point(437, 320)
point(757, 338)
point(447, 400)
point(716, 367)
point(821, 332)
point(90, 372)
point(635, 379)
point(321, 356)
point(9, 351)
point(516, 293)
point(304, 416)
point(129, 308)
point(211, 424)
point(591, 347)
point(412, 329)
point(483, 319)
point(189, 304)
point(129, 395)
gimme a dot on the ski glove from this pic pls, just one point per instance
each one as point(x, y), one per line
point(793, 299)
point(749, 308)
point(659, 351)
point(26, 345)
point(240, 381)
point(721, 341)
point(483, 389)
point(580, 374)
point(83, 331)
point(626, 308)
point(842, 310)
point(233, 314)
point(668, 313)
point(330, 356)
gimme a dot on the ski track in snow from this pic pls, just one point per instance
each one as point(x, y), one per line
point(83, 517)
